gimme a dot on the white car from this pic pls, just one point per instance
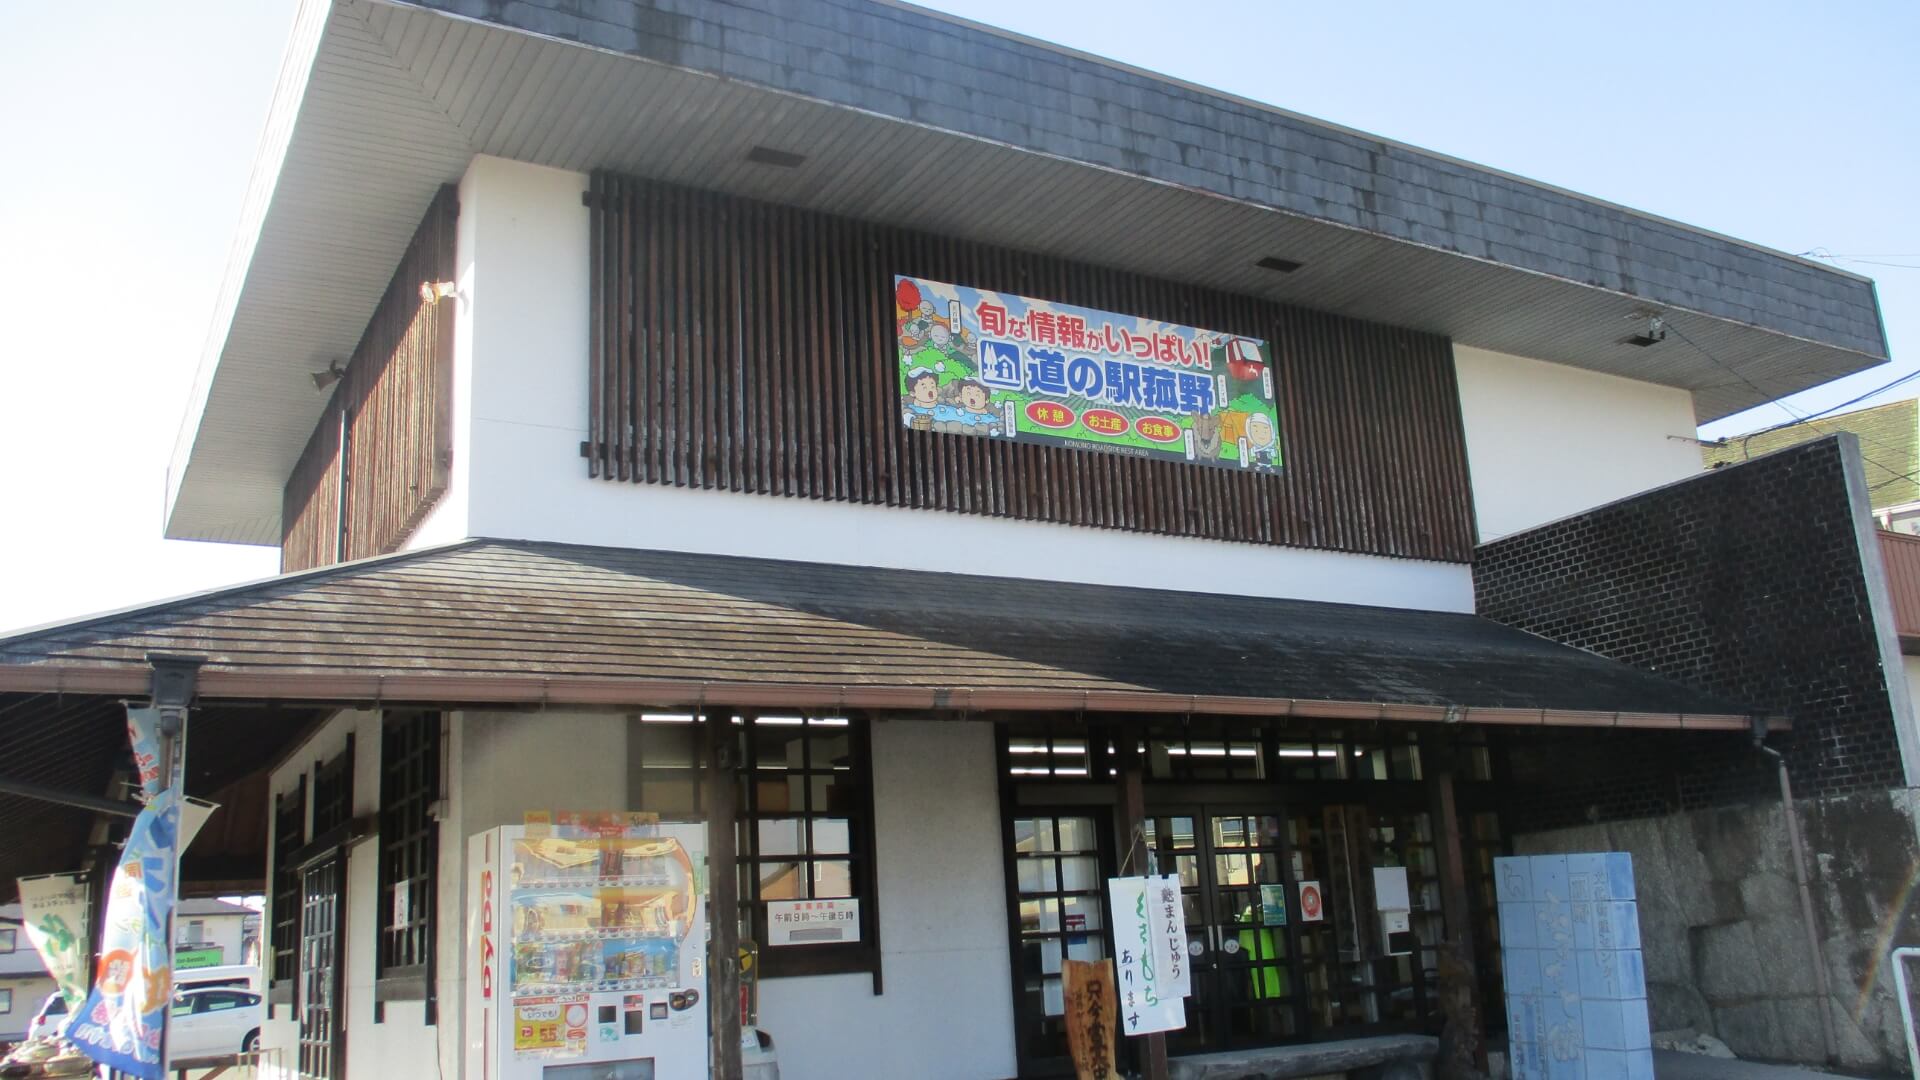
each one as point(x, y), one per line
point(52, 1015)
point(214, 1023)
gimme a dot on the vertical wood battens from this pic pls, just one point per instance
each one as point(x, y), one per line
point(747, 346)
point(397, 398)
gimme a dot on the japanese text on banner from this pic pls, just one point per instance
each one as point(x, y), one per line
point(1151, 988)
point(1000, 366)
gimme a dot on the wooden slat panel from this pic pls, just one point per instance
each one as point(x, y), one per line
point(1901, 554)
point(766, 360)
point(397, 396)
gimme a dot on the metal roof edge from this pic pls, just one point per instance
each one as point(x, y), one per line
point(630, 693)
point(276, 137)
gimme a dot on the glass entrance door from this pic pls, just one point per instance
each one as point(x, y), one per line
point(1240, 930)
point(322, 1040)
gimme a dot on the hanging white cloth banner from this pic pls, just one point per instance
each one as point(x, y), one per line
point(1149, 940)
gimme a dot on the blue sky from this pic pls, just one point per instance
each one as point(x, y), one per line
point(132, 126)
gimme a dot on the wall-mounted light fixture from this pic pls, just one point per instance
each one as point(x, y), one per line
point(1654, 334)
point(432, 292)
point(333, 374)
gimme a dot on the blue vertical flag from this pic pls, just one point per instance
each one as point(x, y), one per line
point(120, 1024)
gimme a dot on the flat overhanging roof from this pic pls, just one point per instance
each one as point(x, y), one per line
point(911, 118)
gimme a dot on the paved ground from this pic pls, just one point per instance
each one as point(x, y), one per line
point(1673, 1065)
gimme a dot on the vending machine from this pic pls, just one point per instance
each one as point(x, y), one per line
point(589, 937)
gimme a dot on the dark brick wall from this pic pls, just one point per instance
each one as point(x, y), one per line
point(1747, 582)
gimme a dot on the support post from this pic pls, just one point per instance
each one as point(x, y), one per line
point(723, 897)
point(1463, 1042)
point(1131, 815)
point(174, 681)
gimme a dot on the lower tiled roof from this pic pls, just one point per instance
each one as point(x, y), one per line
point(510, 621)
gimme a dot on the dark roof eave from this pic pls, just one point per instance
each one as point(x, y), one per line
point(455, 689)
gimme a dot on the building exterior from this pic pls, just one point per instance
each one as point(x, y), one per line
point(24, 982)
point(604, 379)
point(212, 933)
point(1889, 437)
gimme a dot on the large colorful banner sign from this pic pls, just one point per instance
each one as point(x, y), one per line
point(53, 911)
point(996, 365)
point(119, 1024)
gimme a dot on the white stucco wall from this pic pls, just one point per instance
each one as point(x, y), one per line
point(520, 417)
point(1545, 441)
point(947, 1010)
point(948, 1007)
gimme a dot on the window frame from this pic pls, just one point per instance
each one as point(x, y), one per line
point(6, 999)
point(283, 934)
point(788, 960)
point(412, 777)
point(9, 939)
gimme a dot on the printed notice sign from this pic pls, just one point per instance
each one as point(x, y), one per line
point(1273, 905)
point(1149, 939)
point(550, 1026)
point(997, 365)
point(812, 922)
point(1312, 904)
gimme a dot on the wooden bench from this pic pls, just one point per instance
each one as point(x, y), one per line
point(1379, 1057)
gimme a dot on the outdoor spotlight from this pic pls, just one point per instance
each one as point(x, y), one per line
point(1655, 333)
point(333, 374)
point(433, 292)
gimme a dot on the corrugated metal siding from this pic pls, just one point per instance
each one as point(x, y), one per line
point(397, 398)
point(749, 347)
point(1901, 553)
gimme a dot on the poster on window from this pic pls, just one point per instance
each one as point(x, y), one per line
point(812, 922)
point(1150, 946)
point(1003, 366)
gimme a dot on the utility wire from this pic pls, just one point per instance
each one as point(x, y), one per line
point(1907, 378)
point(1788, 409)
point(1869, 259)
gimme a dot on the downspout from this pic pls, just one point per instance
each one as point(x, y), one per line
point(1820, 981)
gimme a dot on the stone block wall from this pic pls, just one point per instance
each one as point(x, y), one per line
point(1721, 930)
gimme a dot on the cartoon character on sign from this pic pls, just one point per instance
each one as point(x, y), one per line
point(923, 395)
point(1206, 436)
point(968, 410)
point(1261, 448)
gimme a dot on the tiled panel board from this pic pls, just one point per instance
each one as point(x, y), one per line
point(1575, 980)
point(920, 67)
point(1747, 581)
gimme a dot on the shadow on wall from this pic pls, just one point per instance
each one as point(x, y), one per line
point(1725, 949)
